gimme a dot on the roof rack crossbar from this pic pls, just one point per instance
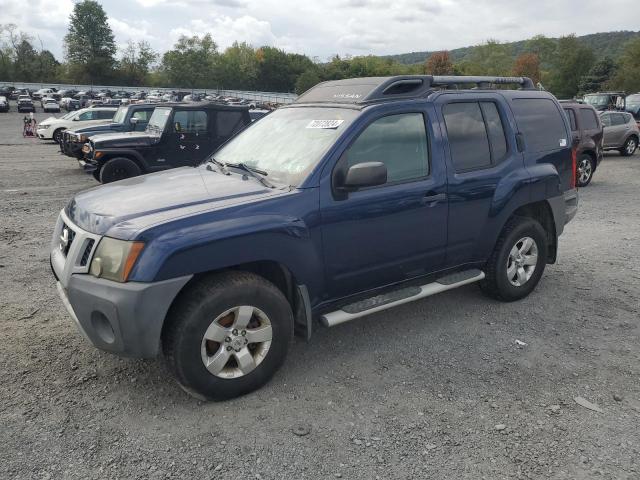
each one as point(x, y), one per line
point(437, 80)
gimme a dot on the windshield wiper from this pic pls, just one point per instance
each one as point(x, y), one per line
point(221, 166)
point(254, 172)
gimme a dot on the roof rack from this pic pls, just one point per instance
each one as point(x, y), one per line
point(361, 91)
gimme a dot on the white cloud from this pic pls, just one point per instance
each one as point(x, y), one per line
point(226, 30)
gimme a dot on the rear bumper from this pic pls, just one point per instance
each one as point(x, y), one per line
point(122, 318)
point(571, 201)
point(564, 207)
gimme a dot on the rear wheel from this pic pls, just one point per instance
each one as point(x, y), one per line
point(96, 174)
point(227, 335)
point(119, 169)
point(517, 262)
point(629, 147)
point(586, 167)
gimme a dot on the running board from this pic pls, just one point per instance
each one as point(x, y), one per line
point(398, 297)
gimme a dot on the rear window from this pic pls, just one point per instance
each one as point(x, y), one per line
point(541, 123)
point(588, 119)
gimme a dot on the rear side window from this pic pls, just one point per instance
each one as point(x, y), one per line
point(588, 119)
point(190, 121)
point(541, 124)
point(495, 130)
point(467, 136)
point(398, 141)
point(617, 119)
point(228, 123)
point(571, 116)
point(105, 114)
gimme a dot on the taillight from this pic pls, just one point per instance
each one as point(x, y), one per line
point(574, 168)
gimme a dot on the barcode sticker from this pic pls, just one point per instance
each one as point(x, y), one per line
point(563, 142)
point(325, 123)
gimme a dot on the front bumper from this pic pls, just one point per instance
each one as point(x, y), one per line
point(44, 134)
point(122, 318)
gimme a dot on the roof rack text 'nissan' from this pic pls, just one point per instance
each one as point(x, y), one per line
point(363, 195)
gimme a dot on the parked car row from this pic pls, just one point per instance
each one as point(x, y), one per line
point(596, 131)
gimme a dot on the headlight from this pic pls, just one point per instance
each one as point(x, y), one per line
point(114, 259)
point(86, 148)
point(43, 127)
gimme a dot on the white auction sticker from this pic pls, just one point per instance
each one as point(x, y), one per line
point(325, 123)
point(563, 142)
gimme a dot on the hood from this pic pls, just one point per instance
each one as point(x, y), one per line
point(48, 121)
point(126, 139)
point(98, 128)
point(123, 209)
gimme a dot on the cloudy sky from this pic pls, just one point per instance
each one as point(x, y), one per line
point(323, 28)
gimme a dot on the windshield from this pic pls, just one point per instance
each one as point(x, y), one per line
point(158, 120)
point(597, 100)
point(120, 115)
point(288, 143)
point(68, 115)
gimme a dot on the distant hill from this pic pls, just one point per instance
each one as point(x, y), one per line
point(603, 44)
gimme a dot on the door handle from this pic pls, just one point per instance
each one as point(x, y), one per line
point(431, 200)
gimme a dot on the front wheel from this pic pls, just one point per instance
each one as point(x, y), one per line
point(586, 167)
point(517, 262)
point(227, 335)
point(629, 147)
point(118, 169)
point(57, 135)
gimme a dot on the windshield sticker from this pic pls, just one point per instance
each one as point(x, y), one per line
point(325, 123)
point(563, 142)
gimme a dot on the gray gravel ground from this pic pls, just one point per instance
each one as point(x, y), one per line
point(433, 389)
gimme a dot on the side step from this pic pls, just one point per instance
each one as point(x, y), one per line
point(398, 297)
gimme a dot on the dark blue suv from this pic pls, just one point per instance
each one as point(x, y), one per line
point(364, 194)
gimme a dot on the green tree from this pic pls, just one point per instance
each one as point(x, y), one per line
point(136, 62)
point(598, 77)
point(491, 58)
point(89, 44)
point(238, 67)
point(307, 79)
point(278, 70)
point(192, 62)
point(628, 73)
point(573, 60)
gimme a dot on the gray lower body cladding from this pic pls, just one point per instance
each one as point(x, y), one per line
point(123, 318)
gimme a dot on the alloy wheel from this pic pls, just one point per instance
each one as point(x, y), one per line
point(585, 170)
point(631, 146)
point(236, 342)
point(522, 261)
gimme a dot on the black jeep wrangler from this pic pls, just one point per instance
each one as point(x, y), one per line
point(177, 135)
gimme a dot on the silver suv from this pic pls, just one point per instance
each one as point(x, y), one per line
point(620, 132)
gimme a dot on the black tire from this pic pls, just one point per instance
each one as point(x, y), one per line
point(196, 309)
point(586, 167)
point(497, 284)
point(118, 169)
point(57, 135)
point(96, 174)
point(629, 147)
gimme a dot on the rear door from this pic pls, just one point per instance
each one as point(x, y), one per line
point(480, 153)
point(615, 129)
point(590, 126)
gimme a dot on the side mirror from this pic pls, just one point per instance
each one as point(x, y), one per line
point(178, 127)
point(366, 174)
point(133, 120)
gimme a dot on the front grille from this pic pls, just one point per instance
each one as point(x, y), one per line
point(87, 253)
point(67, 236)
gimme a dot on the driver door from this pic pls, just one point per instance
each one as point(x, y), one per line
point(393, 232)
point(189, 137)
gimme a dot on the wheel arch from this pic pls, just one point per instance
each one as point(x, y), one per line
point(128, 154)
point(275, 272)
point(542, 212)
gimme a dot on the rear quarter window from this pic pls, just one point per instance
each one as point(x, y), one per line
point(228, 123)
point(541, 123)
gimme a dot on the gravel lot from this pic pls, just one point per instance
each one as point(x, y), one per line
point(433, 389)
